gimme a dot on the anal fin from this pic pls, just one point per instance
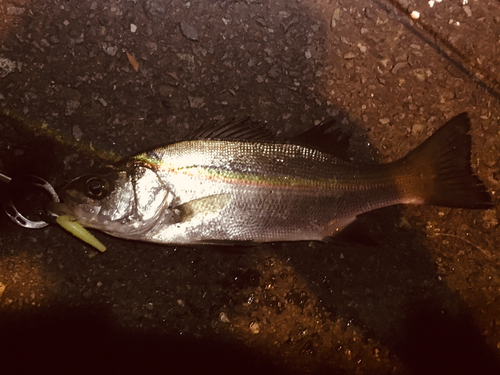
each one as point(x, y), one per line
point(355, 233)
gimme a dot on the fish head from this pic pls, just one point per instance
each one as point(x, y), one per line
point(124, 201)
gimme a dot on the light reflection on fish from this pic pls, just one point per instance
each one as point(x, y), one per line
point(226, 191)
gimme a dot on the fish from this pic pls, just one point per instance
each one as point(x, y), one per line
point(234, 185)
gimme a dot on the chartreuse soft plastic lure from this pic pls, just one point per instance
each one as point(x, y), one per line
point(75, 228)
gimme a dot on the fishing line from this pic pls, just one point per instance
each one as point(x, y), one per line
point(44, 129)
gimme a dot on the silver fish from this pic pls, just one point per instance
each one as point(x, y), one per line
point(220, 191)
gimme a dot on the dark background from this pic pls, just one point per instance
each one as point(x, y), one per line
point(425, 300)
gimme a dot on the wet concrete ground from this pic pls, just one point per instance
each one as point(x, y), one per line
point(425, 300)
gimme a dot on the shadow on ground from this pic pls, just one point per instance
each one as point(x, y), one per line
point(391, 291)
point(84, 341)
point(394, 293)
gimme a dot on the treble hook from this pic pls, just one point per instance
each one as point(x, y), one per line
point(12, 211)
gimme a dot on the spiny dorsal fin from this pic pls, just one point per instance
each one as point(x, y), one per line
point(335, 142)
point(243, 129)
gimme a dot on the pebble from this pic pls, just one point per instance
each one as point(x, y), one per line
point(398, 67)
point(417, 129)
point(335, 18)
point(186, 57)
point(349, 55)
point(261, 22)
point(404, 223)
point(252, 61)
point(189, 31)
point(110, 50)
point(386, 63)
point(254, 327)
point(401, 58)
point(15, 11)
point(490, 219)
point(196, 102)
point(223, 318)
point(419, 73)
point(274, 72)
point(79, 40)
point(71, 107)
point(153, 47)
point(77, 133)
point(157, 8)
point(6, 67)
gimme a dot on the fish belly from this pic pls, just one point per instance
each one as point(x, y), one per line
point(265, 215)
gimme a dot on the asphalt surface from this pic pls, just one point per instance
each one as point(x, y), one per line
point(424, 300)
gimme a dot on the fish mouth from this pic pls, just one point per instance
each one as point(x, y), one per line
point(65, 218)
point(58, 209)
point(74, 212)
point(89, 218)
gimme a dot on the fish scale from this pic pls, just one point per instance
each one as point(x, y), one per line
point(287, 191)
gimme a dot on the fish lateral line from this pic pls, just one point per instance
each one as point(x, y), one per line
point(283, 182)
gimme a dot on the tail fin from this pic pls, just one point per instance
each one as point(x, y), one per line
point(439, 171)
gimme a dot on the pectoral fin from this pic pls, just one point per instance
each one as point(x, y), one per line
point(206, 206)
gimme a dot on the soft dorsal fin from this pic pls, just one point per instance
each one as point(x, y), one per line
point(243, 129)
point(335, 143)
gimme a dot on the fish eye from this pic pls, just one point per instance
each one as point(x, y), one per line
point(96, 188)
